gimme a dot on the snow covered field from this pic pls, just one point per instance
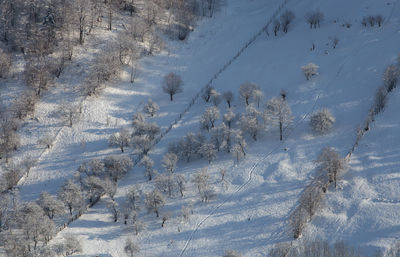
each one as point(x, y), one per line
point(250, 213)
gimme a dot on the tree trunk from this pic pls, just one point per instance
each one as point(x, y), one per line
point(280, 130)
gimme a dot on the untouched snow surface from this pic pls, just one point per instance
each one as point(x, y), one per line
point(250, 213)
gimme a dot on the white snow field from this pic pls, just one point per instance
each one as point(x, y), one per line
point(250, 213)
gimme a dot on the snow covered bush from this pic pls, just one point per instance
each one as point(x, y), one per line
point(151, 108)
point(172, 84)
point(121, 139)
point(322, 121)
point(310, 70)
point(314, 18)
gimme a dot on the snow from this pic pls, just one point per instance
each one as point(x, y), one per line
point(250, 213)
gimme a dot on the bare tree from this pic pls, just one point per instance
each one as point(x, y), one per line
point(298, 221)
point(277, 111)
point(24, 105)
point(258, 95)
point(37, 75)
point(286, 18)
point(166, 183)
point(335, 41)
point(250, 122)
point(133, 198)
point(228, 97)
point(154, 200)
point(311, 199)
point(246, 91)
point(379, 19)
point(201, 180)
point(314, 18)
point(172, 84)
point(69, 112)
point(121, 139)
point(276, 26)
point(322, 121)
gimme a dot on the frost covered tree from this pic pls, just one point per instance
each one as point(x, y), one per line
point(154, 201)
point(148, 164)
point(121, 139)
point(258, 95)
point(11, 176)
point(37, 75)
point(172, 84)
point(169, 162)
point(35, 225)
point(298, 220)
point(95, 188)
point(229, 117)
point(217, 137)
point(151, 108)
point(311, 199)
point(117, 166)
point(228, 139)
point(201, 180)
point(50, 205)
point(310, 70)
point(322, 121)
point(69, 112)
point(166, 183)
point(208, 93)
point(286, 18)
point(142, 143)
point(209, 117)
point(277, 112)
point(228, 97)
point(133, 198)
point(246, 91)
point(70, 245)
point(250, 122)
point(391, 77)
point(314, 18)
point(131, 248)
point(24, 105)
point(380, 100)
point(114, 209)
point(71, 195)
point(331, 164)
point(208, 151)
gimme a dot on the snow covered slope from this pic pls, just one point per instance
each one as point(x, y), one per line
point(250, 213)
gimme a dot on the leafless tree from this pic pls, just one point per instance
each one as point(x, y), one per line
point(391, 77)
point(172, 84)
point(169, 162)
point(276, 26)
point(50, 205)
point(209, 118)
point(331, 164)
point(117, 166)
point(148, 164)
point(131, 247)
point(208, 151)
point(151, 108)
point(71, 194)
point(229, 117)
point(286, 18)
point(314, 18)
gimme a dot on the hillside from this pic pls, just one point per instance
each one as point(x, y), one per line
point(251, 208)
